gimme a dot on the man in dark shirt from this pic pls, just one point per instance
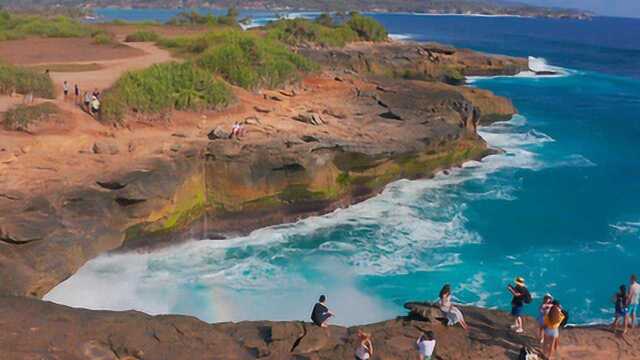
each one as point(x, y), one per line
point(520, 297)
point(321, 313)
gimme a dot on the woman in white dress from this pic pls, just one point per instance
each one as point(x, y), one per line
point(454, 315)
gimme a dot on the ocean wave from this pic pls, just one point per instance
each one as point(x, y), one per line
point(573, 160)
point(626, 227)
point(535, 65)
point(402, 37)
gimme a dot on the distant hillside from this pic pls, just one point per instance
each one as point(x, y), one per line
point(485, 7)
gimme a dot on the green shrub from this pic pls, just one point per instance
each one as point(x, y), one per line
point(300, 31)
point(101, 37)
point(25, 81)
point(162, 88)
point(195, 19)
point(453, 76)
point(324, 32)
point(142, 36)
point(367, 28)
point(22, 117)
point(242, 58)
point(20, 26)
point(249, 61)
point(325, 20)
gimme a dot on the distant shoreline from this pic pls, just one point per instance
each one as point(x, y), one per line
point(581, 17)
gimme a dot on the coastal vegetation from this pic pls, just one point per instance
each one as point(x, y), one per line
point(162, 88)
point(241, 58)
point(22, 117)
point(325, 32)
point(195, 19)
point(143, 36)
point(14, 26)
point(250, 62)
point(24, 81)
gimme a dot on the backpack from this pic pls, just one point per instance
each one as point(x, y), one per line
point(527, 353)
point(566, 318)
point(527, 296)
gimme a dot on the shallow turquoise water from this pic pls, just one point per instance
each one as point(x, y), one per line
point(560, 208)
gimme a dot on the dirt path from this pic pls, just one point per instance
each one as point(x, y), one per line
point(111, 70)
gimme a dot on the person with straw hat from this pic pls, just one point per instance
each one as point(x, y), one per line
point(521, 296)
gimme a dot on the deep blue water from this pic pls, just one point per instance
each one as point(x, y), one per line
point(560, 207)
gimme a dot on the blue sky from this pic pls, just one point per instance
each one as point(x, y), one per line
point(627, 8)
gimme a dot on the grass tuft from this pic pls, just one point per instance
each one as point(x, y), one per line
point(14, 27)
point(143, 36)
point(25, 81)
point(162, 88)
point(22, 117)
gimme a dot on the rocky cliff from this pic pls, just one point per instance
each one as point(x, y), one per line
point(34, 329)
point(308, 155)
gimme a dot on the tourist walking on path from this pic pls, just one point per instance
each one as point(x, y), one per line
point(87, 102)
point(95, 106)
point(633, 299)
point(426, 345)
point(65, 89)
point(321, 314)
point(521, 296)
point(620, 300)
point(552, 322)
point(364, 351)
point(545, 306)
point(76, 92)
point(454, 315)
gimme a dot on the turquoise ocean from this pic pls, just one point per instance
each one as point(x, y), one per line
point(561, 206)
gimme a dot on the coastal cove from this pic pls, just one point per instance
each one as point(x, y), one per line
point(223, 174)
point(546, 209)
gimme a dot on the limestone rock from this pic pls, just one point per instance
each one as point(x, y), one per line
point(105, 148)
point(218, 134)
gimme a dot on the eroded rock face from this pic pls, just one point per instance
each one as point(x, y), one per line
point(384, 130)
point(34, 329)
point(429, 61)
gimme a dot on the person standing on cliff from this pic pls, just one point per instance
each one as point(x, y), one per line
point(543, 310)
point(633, 299)
point(552, 322)
point(65, 89)
point(321, 314)
point(621, 310)
point(521, 296)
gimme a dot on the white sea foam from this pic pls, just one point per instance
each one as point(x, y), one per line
point(626, 227)
point(535, 65)
point(470, 15)
point(401, 37)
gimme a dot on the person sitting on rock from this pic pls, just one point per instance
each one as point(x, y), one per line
point(426, 345)
point(454, 315)
point(321, 314)
point(521, 296)
point(364, 351)
point(237, 130)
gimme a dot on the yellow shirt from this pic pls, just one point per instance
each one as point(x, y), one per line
point(552, 325)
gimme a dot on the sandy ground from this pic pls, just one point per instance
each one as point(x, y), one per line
point(60, 154)
point(65, 50)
